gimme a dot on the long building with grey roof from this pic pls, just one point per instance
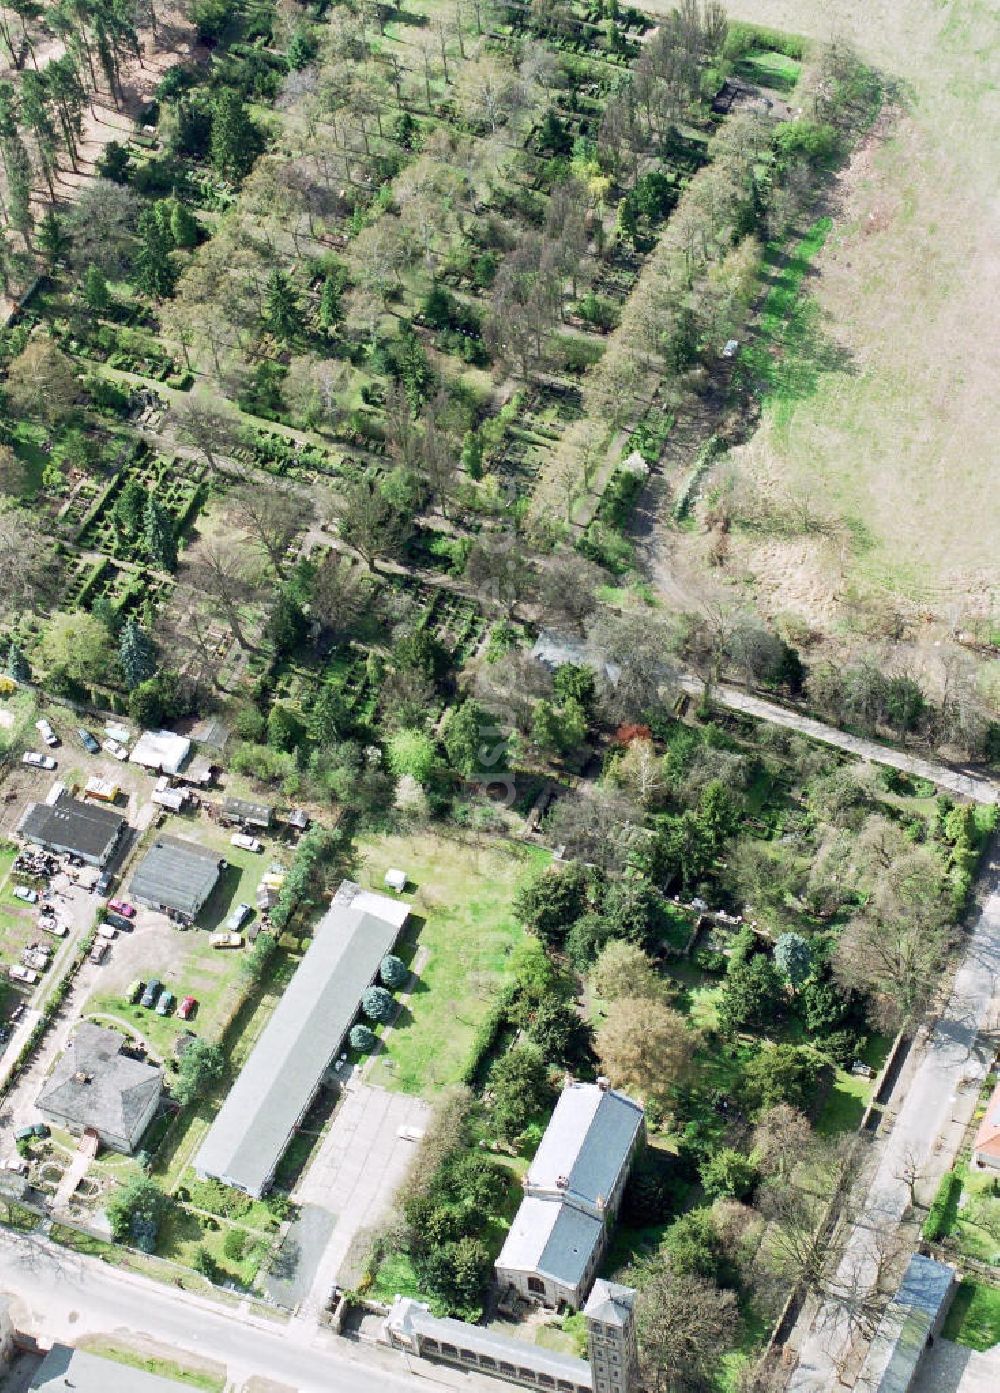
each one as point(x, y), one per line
point(573, 1190)
point(68, 825)
point(280, 1079)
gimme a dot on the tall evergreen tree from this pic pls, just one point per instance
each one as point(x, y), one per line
point(94, 289)
point(280, 309)
point(329, 302)
point(53, 240)
point(154, 271)
point(183, 226)
point(235, 139)
point(161, 544)
point(17, 664)
point(136, 655)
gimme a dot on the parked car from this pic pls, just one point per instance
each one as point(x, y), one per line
point(108, 932)
point(239, 916)
point(17, 1164)
point(153, 988)
point(166, 1004)
point(48, 925)
point(100, 951)
point(46, 732)
point(244, 842)
point(134, 990)
point(38, 761)
point(187, 1006)
point(117, 921)
point(113, 748)
point(122, 907)
point(25, 893)
point(87, 741)
point(17, 1012)
point(27, 975)
point(104, 883)
point(230, 940)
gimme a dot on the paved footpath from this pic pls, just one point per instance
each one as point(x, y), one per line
point(928, 1129)
point(979, 789)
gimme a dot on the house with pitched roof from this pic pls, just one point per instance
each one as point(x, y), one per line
point(986, 1147)
point(96, 1088)
point(573, 1190)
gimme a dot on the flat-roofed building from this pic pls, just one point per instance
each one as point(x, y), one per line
point(283, 1074)
point(67, 826)
point(176, 877)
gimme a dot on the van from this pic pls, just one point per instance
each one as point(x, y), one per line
point(27, 975)
point(107, 932)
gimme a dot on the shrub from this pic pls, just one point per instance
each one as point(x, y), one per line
point(377, 1004)
point(393, 971)
point(728, 1175)
point(362, 1038)
point(234, 1244)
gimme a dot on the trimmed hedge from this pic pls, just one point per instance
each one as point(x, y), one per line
point(941, 1215)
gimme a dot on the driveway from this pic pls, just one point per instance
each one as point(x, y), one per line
point(360, 1165)
point(929, 1128)
point(948, 1368)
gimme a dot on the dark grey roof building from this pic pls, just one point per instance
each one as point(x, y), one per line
point(281, 1077)
point(913, 1317)
point(247, 814)
point(64, 1368)
point(573, 1190)
point(177, 877)
point(96, 1088)
point(70, 826)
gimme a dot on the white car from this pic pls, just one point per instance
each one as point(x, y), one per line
point(50, 926)
point(25, 893)
point(244, 842)
point(112, 747)
point(239, 916)
point(46, 732)
point(38, 761)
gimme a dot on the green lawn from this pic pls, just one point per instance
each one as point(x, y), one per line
point(462, 926)
point(152, 1364)
point(974, 1318)
point(770, 69)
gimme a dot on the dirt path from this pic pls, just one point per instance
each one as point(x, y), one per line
point(975, 786)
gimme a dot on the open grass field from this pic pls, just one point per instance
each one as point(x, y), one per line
point(461, 896)
point(899, 441)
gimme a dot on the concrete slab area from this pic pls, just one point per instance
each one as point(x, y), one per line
point(361, 1163)
point(950, 1368)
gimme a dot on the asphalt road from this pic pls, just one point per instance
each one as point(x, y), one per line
point(60, 1295)
point(928, 1130)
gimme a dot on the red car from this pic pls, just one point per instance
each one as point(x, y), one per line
point(122, 907)
point(186, 1007)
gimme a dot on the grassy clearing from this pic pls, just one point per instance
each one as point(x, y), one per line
point(212, 1377)
point(770, 69)
point(906, 442)
point(464, 929)
point(974, 1318)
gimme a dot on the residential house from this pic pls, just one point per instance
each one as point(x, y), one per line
point(95, 1088)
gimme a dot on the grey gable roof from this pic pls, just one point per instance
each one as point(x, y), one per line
point(86, 829)
point(605, 1146)
point(570, 1246)
point(94, 1085)
point(586, 1144)
point(278, 1081)
point(176, 873)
